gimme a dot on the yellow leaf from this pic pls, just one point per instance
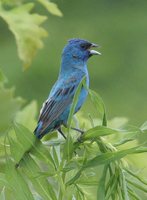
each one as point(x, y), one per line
point(51, 7)
point(27, 31)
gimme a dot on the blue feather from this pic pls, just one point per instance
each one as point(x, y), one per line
point(56, 108)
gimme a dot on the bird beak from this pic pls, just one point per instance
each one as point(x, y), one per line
point(93, 52)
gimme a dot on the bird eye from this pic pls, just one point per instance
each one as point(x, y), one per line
point(85, 46)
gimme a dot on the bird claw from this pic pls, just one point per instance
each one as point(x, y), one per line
point(78, 130)
point(80, 139)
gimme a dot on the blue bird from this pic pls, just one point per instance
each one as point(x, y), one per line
point(55, 110)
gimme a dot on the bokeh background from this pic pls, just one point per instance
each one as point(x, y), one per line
point(119, 75)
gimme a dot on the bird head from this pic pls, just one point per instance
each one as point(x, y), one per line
point(79, 49)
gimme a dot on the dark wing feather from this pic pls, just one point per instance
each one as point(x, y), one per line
point(57, 104)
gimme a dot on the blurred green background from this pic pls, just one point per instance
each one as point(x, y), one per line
point(119, 75)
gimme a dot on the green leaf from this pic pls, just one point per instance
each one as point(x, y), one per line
point(101, 186)
point(27, 31)
point(3, 181)
point(43, 154)
point(128, 135)
point(97, 101)
point(16, 149)
point(72, 180)
point(18, 184)
point(98, 131)
point(138, 186)
point(55, 156)
point(133, 194)
point(104, 158)
point(108, 157)
point(27, 116)
point(41, 185)
point(24, 136)
point(141, 149)
point(70, 166)
point(137, 177)
point(124, 187)
point(2, 194)
point(51, 7)
point(9, 106)
point(68, 148)
point(113, 186)
point(99, 105)
point(75, 100)
point(33, 145)
point(56, 142)
point(144, 126)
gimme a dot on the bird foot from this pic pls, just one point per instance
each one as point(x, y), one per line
point(61, 132)
point(78, 130)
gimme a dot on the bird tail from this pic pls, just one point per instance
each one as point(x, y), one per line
point(37, 131)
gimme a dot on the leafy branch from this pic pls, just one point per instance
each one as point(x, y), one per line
point(26, 25)
point(66, 169)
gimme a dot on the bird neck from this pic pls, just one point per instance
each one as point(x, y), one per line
point(73, 66)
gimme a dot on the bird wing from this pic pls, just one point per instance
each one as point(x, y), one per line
point(57, 103)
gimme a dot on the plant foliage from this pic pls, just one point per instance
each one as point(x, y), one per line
point(9, 105)
point(26, 25)
point(99, 164)
point(82, 167)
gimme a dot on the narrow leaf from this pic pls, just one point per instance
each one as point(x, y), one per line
point(2, 194)
point(68, 148)
point(13, 176)
point(9, 106)
point(75, 100)
point(124, 187)
point(71, 181)
point(98, 131)
point(135, 176)
point(108, 157)
point(133, 194)
point(138, 186)
point(101, 186)
point(40, 183)
point(99, 105)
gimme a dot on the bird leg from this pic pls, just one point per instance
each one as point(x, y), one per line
point(78, 130)
point(61, 132)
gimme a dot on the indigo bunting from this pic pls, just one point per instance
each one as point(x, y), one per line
point(55, 110)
